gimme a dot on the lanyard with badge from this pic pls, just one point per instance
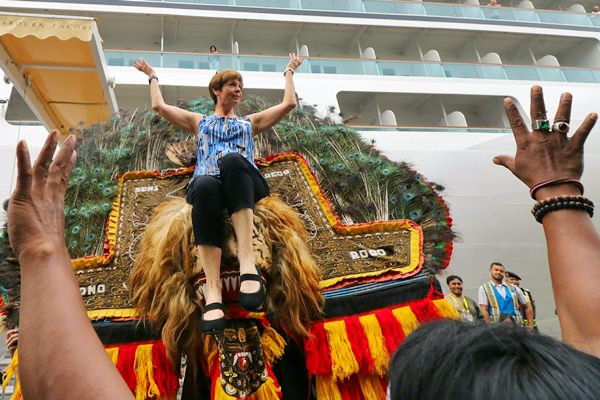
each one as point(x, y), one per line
point(465, 315)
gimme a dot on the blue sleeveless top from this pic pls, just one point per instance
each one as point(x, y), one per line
point(219, 136)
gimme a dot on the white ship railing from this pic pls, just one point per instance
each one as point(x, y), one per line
point(481, 12)
point(355, 66)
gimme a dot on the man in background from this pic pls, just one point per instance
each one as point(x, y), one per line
point(497, 298)
point(515, 279)
point(465, 306)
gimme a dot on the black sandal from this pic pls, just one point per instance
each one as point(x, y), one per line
point(212, 326)
point(252, 301)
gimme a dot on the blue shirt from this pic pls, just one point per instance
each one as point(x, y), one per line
point(219, 136)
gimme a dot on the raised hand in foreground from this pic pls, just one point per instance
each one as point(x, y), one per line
point(60, 356)
point(550, 163)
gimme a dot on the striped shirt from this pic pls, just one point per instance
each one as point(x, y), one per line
point(219, 136)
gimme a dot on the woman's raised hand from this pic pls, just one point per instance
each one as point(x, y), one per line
point(545, 153)
point(295, 61)
point(142, 65)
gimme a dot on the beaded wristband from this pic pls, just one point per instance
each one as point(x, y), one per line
point(151, 77)
point(553, 182)
point(540, 209)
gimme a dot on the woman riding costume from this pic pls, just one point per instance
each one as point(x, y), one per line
point(225, 177)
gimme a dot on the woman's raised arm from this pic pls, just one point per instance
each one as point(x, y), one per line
point(183, 119)
point(266, 119)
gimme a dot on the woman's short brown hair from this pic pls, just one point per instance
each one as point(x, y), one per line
point(221, 78)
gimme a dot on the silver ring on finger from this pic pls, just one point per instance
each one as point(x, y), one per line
point(561, 126)
point(540, 125)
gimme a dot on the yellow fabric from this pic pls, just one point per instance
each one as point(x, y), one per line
point(146, 386)
point(273, 345)
point(407, 319)
point(220, 392)
point(371, 387)
point(327, 388)
point(446, 309)
point(17, 395)
point(377, 347)
point(267, 391)
point(42, 27)
point(343, 362)
point(11, 369)
point(113, 354)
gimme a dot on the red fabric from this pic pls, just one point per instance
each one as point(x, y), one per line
point(424, 310)
point(165, 376)
point(350, 389)
point(360, 344)
point(318, 354)
point(125, 363)
point(391, 329)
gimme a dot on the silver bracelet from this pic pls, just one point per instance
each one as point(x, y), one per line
point(288, 69)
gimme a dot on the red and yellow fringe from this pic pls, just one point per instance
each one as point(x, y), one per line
point(349, 356)
point(144, 367)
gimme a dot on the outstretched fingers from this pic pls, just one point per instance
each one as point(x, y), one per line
point(42, 163)
point(24, 174)
point(505, 161)
point(563, 113)
point(537, 104)
point(516, 120)
point(584, 130)
point(61, 168)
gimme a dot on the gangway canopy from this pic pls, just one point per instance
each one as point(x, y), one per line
point(57, 65)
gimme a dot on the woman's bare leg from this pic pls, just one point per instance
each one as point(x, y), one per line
point(243, 225)
point(210, 259)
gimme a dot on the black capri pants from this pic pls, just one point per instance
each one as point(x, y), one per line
point(238, 186)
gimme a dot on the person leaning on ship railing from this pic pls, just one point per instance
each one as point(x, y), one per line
point(225, 176)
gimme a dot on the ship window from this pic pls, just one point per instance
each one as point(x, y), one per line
point(251, 66)
point(315, 69)
point(388, 71)
point(186, 64)
point(329, 70)
point(269, 67)
point(117, 62)
point(203, 65)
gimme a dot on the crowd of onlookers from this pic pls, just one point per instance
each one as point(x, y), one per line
point(501, 299)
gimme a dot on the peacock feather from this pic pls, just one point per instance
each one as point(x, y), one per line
point(360, 182)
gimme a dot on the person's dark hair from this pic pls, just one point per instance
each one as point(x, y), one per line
point(448, 359)
point(212, 46)
point(453, 277)
point(496, 263)
point(504, 317)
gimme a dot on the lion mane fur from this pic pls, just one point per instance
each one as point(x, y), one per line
point(162, 290)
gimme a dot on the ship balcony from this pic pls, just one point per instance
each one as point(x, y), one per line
point(355, 66)
point(516, 11)
point(424, 112)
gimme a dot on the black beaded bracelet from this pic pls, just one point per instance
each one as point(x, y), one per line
point(151, 78)
point(546, 206)
point(542, 203)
